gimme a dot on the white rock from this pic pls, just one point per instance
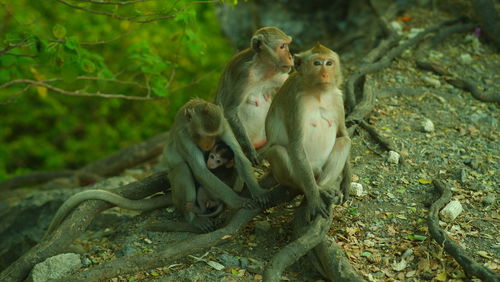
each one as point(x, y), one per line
point(397, 27)
point(56, 267)
point(428, 125)
point(451, 211)
point(356, 189)
point(393, 157)
point(465, 59)
point(432, 81)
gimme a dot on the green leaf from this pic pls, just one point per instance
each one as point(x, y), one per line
point(59, 31)
point(159, 87)
point(366, 254)
point(8, 60)
point(234, 272)
point(424, 181)
point(417, 237)
point(4, 75)
point(154, 273)
point(72, 43)
point(87, 66)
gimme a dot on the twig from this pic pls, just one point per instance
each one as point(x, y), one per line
point(115, 2)
point(462, 83)
point(155, 16)
point(73, 93)
point(471, 267)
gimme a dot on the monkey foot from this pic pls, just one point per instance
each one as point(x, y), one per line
point(331, 196)
point(205, 224)
point(317, 207)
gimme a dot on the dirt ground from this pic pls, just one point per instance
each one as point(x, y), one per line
point(383, 231)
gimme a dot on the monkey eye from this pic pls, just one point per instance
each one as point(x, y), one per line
point(218, 161)
point(283, 46)
point(317, 63)
point(329, 63)
point(211, 156)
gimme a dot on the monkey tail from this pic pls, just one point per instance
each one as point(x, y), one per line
point(103, 195)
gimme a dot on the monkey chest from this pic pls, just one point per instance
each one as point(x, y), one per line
point(320, 131)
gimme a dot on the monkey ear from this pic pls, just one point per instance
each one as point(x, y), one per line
point(256, 42)
point(230, 164)
point(188, 114)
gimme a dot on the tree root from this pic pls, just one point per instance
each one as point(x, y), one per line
point(133, 264)
point(461, 83)
point(314, 234)
point(471, 267)
point(112, 165)
point(76, 223)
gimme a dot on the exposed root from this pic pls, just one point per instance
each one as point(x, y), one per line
point(471, 267)
point(76, 223)
point(461, 83)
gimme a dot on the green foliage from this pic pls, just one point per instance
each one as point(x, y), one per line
point(172, 59)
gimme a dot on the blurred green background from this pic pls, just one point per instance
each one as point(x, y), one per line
point(166, 50)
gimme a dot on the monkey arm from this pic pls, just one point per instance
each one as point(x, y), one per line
point(218, 189)
point(243, 165)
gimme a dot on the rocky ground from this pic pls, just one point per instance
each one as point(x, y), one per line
point(441, 132)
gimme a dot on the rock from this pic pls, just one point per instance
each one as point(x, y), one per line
point(126, 251)
point(56, 267)
point(393, 157)
point(427, 125)
point(356, 189)
point(489, 199)
point(244, 263)
point(465, 59)
point(463, 175)
point(451, 211)
point(262, 225)
point(229, 260)
point(86, 261)
point(432, 81)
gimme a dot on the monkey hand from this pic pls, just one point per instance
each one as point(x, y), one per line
point(241, 202)
point(253, 157)
point(315, 207)
point(261, 197)
point(331, 196)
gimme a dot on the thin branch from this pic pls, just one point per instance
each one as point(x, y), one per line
point(114, 16)
point(115, 2)
point(73, 93)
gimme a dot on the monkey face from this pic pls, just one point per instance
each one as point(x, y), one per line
point(284, 56)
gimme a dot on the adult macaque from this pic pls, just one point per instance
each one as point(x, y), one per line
point(248, 84)
point(197, 127)
point(308, 144)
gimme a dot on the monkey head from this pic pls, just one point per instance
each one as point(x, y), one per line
point(272, 45)
point(319, 66)
point(220, 155)
point(204, 121)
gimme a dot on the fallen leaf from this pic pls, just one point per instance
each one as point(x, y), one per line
point(398, 266)
point(441, 276)
point(424, 181)
point(215, 265)
point(484, 254)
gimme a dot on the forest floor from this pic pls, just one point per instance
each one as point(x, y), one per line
point(383, 231)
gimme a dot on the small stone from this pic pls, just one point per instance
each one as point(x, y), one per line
point(262, 225)
point(393, 157)
point(126, 251)
point(451, 211)
point(489, 199)
point(465, 59)
point(86, 261)
point(432, 81)
point(229, 260)
point(428, 125)
point(356, 189)
point(244, 262)
point(56, 267)
point(463, 175)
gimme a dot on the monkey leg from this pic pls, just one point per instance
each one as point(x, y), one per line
point(283, 171)
point(184, 193)
point(328, 179)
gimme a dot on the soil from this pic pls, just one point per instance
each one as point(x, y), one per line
point(383, 231)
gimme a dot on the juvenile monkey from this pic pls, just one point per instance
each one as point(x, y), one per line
point(248, 84)
point(220, 161)
point(308, 144)
point(197, 127)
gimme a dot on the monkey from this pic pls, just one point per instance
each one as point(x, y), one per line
point(197, 126)
point(220, 161)
point(248, 84)
point(308, 144)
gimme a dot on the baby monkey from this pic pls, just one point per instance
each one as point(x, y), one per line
point(220, 161)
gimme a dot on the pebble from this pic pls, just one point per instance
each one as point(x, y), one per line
point(393, 157)
point(451, 211)
point(427, 125)
point(489, 199)
point(229, 260)
point(432, 81)
point(465, 59)
point(262, 225)
point(356, 189)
